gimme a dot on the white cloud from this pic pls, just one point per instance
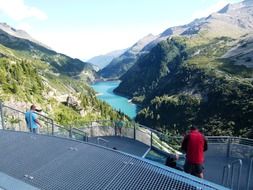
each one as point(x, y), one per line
point(18, 10)
point(214, 8)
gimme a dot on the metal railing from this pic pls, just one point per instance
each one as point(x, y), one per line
point(233, 164)
point(13, 119)
point(229, 174)
point(102, 141)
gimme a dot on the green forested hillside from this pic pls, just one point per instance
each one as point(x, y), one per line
point(58, 62)
point(184, 81)
point(27, 79)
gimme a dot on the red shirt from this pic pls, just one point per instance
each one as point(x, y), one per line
point(194, 144)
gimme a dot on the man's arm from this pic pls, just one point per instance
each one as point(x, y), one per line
point(184, 144)
point(205, 144)
point(36, 119)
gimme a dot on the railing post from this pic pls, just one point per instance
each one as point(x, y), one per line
point(19, 125)
point(85, 137)
point(134, 132)
point(228, 147)
point(2, 115)
point(151, 139)
point(70, 132)
point(52, 121)
point(115, 128)
point(91, 131)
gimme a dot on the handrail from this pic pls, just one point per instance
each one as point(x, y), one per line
point(161, 134)
point(103, 140)
point(233, 164)
point(24, 112)
point(225, 177)
point(80, 132)
point(249, 173)
point(145, 154)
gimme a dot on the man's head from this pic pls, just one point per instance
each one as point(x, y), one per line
point(193, 127)
point(33, 107)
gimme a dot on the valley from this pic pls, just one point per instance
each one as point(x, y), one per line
point(198, 73)
point(122, 104)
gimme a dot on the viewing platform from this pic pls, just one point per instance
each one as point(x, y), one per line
point(99, 156)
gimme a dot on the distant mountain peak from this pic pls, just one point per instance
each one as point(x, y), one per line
point(14, 32)
point(138, 46)
point(224, 9)
point(19, 34)
point(233, 7)
point(146, 38)
point(101, 61)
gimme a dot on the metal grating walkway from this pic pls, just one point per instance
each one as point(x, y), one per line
point(49, 162)
point(123, 144)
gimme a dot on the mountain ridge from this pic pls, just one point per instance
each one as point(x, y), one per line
point(202, 77)
point(219, 23)
point(103, 60)
point(60, 62)
point(119, 65)
point(20, 34)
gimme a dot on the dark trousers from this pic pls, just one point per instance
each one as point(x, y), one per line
point(33, 130)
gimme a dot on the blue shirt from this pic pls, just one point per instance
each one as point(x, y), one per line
point(30, 118)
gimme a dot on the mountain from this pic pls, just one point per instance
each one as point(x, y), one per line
point(119, 65)
point(59, 62)
point(19, 34)
point(219, 23)
point(201, 77)
point(33, 74)
point(101, 61)
point(242, 53)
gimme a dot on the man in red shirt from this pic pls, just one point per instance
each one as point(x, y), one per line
point(194, 144)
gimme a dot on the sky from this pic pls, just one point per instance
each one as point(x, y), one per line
point(86, 28)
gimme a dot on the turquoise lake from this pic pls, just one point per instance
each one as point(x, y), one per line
point(105, 93)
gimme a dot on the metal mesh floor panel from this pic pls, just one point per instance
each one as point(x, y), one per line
point(23, 153)
point(124, 144)
point(55, 163)
point(141, 175)
point(86, 168)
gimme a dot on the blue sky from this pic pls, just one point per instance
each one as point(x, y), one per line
point(85, 28)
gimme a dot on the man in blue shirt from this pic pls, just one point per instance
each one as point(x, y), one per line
point(32, 120)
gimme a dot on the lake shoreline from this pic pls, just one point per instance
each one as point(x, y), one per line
point(105, 92)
